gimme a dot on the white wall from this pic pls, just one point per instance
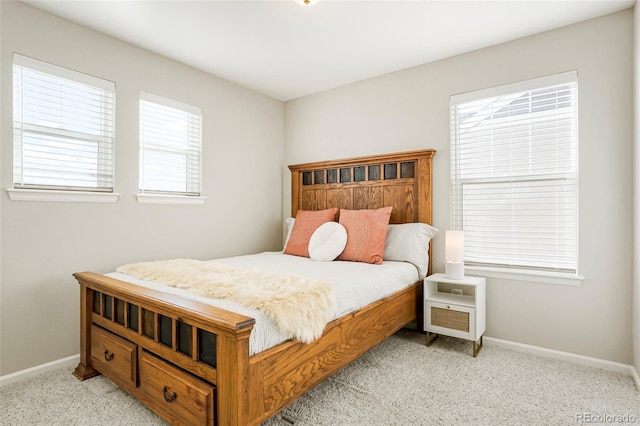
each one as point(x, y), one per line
point(44, 243)
point(409, 109)
point(636, 194)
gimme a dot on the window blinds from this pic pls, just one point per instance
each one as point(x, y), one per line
point(63, 128)
point(514, 174)
point(170, 146)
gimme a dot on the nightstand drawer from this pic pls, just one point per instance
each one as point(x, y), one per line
point(450, 319)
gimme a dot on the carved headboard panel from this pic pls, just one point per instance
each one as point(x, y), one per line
point(402, 180)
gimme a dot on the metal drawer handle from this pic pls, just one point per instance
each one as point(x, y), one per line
point(108, 356)
point(168, 396)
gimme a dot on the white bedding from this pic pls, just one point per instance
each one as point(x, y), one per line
point(356, 285)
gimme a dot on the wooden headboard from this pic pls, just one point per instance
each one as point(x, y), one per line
point(402, 180)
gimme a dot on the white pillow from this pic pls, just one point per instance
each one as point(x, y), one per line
point(327, 242)
point(289, 223)
point(409, 242)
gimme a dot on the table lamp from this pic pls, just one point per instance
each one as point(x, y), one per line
point(454, 255)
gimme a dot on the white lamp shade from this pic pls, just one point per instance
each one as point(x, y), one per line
point(454, 246)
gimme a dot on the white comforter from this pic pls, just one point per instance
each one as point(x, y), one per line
point(356, 285)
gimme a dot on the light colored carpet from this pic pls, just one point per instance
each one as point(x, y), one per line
point(399, 382)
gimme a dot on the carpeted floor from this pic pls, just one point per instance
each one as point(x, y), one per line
point(400, 382)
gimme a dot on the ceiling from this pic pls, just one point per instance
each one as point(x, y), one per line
point(285, 50)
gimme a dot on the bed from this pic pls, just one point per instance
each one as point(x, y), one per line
point(192, 362)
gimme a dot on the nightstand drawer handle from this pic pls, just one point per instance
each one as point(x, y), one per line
point(448, 307)
point(108, 356)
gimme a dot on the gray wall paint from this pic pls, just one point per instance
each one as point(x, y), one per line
point(636, 197)
point(44, 243)
point(409, 109)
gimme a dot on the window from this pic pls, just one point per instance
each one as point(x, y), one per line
point(170, 146)
point(63, 128)
point(514, 174)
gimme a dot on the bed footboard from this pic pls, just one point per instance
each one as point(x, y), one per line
point(187, 361)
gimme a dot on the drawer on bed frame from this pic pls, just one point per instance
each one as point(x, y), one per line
point(177, 396)
point(114, 357)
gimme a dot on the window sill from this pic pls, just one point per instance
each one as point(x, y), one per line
point(545, 277)
point(169, 199)
point(46, 195)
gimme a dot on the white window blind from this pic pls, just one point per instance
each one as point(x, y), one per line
point(514, 174)
point(170, 146)
point(63, 128)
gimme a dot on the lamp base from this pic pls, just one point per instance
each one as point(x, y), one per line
point(454, 270)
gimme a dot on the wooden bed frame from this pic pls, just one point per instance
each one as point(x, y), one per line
point(189, 362)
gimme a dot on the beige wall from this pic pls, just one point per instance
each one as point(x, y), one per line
point(636, 193)
point(44, 243)
point(409, 109)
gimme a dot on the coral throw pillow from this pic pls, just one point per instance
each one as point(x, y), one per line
point(366, 233)
point(304, 226)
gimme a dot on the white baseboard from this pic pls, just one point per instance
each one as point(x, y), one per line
point(18, 376)
point(566, 356)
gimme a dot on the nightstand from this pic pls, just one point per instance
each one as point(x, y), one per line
point(455, 308)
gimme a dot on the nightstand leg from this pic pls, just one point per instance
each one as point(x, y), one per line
point(476, 347)
point(431, 337)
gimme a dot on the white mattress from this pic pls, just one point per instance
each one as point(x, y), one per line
point(356, 285)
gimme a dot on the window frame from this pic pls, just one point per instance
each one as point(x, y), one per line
point(104, 140)
point(505, 271)
point(159, 196)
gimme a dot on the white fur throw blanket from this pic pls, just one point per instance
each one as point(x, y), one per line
point(301, 307)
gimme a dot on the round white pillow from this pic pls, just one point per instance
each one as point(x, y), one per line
point(327, 242)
